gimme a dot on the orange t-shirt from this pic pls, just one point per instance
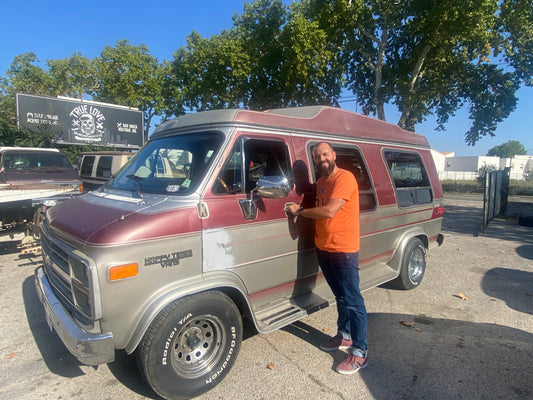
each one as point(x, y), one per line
point(339, 234)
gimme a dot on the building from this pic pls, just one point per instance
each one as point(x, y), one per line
point(468, 167)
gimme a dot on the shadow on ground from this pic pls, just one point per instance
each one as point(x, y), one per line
point(468, 220)
point(414, 357)
point(514, 287)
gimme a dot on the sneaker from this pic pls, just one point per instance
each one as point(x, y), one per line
point(351, 364)
point(336, 342)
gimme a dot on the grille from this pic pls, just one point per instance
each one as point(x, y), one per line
point(69, 276)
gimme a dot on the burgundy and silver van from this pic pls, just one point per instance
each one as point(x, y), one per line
point(190, 237)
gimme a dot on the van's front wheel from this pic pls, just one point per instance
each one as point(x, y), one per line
point(413, 265)
point(191, 345)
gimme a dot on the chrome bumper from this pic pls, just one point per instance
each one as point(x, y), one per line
point(88, 348)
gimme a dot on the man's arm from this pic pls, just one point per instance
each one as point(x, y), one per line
point(323, 212)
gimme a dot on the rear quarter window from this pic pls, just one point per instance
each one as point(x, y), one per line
point(409, 177)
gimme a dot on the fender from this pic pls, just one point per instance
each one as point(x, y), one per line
point(396, 260)
point(218, 280)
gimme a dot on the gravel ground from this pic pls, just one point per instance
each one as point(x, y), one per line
point(466, 332)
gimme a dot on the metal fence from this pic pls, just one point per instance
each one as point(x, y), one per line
point(496, 195)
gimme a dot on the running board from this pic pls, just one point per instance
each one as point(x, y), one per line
point(276, 316)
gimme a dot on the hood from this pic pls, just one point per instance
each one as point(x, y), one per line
point(102, 221)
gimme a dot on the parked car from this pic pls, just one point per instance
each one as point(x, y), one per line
point(96, 167)
point(169, 256)
point(32, 179)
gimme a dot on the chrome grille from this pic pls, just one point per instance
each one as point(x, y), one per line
point(69, 276)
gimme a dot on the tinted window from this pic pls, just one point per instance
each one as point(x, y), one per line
point(409, 177)
point(34, 160)
point(103, 170)
point(87, 166)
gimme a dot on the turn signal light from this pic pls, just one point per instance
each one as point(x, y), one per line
point(123, 271)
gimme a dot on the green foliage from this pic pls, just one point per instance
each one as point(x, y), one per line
point(432, 57)
point(271, 57)
point(508, 149)
point(423, 57)
point(455, 186)
point(128, 75)
point(482, 172)
point(520, 188)
point(516, 187)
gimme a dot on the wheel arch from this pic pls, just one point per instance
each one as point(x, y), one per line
point(417, 232)
point(222, 281)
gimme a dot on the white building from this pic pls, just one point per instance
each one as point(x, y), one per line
point(467, 167)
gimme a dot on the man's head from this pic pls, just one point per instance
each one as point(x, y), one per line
point(324, 158)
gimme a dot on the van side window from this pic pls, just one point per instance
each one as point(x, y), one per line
point(352, 160)
point(410, 178)
point(103, 170)
point(250, 160)
point(87, 166)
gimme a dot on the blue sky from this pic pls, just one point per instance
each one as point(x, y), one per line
point(57, 29)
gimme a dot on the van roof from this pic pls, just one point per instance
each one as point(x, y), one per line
point(323, 119)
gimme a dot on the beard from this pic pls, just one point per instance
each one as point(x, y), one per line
point(327, 167)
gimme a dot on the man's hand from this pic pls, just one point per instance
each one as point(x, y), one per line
point(293, 208)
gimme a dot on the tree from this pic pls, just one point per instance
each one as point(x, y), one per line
point(432, 57)
point(508, 149)
point(73, 77)
point(270, 58)
point(130, 76)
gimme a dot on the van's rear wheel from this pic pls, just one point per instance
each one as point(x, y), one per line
point(413, 265)
point(191, 345)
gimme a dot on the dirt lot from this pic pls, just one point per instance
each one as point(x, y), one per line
point(467, 332)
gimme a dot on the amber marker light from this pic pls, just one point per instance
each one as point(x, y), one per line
point(123, 271)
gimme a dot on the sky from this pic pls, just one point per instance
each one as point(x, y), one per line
point(57, 29)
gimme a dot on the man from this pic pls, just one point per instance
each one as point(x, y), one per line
point(337, 246)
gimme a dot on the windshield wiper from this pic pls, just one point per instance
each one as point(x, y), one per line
point(137, 180)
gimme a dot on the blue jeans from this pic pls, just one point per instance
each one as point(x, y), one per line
point(341, 271)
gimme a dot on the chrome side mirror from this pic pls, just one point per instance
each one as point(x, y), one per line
point(273, 187)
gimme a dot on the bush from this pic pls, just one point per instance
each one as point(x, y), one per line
point(516, 187)
point(453, 186)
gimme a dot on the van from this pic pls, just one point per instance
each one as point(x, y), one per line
point(96, 167)
point(167, 258)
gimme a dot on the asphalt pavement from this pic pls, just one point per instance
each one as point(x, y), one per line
point(465, 333)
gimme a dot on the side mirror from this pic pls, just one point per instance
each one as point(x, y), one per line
point(273, 187)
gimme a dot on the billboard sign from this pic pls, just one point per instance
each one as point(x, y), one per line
point(74, 121)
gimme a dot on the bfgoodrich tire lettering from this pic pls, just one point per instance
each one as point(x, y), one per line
point(413, 265)
point(191, 345)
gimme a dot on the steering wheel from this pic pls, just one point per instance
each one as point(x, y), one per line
point(223, 184)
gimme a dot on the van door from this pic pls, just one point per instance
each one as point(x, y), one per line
point(262, 248)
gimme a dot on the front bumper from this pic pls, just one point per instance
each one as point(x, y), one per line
point(88, 348)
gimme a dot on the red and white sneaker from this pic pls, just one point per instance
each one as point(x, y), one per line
point(351, 364)
point(336, 342)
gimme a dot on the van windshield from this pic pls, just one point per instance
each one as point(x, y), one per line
point(170, 165)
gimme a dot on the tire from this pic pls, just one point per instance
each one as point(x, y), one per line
point(413, 265)
point(191, 345)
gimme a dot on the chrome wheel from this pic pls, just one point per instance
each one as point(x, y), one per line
point(417, 264)
point(196, 346)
